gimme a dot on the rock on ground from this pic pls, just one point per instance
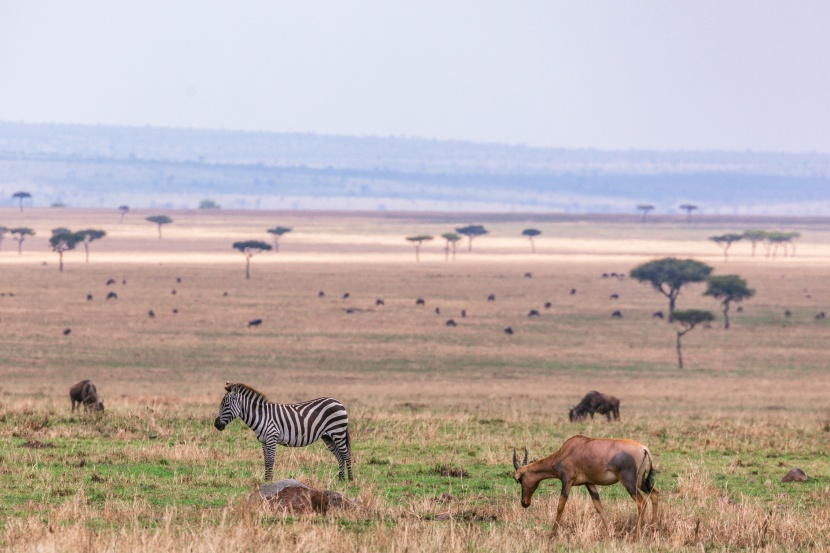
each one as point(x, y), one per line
point(795, 475)
point(297, 497)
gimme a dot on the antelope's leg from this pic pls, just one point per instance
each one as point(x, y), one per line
point(653, 496)
point(594, 492)
point(563, 499)
point(641, 511)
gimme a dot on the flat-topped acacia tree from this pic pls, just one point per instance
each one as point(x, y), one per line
point(471, 231)
point(452, 239)
point(688, 319)
point(417, 241)
point(63, 240)
point(531, 234)
point(668, 275)
point(725, 241)
point(250, 248)
point(3, 231)
point(688, 208)
point(645, 208)
point(160, 220)
point(277, 232)
point(123, 209)
point(20, 234)
point(728, 289)
point(90, 235)
point(20, 196)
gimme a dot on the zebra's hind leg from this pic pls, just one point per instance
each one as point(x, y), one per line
point(342, 460)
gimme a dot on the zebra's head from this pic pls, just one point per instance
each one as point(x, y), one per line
point(230, 407)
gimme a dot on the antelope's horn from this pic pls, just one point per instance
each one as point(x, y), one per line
point(515, 460)
point(525, 461)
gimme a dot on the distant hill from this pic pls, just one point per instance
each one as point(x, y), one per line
point(103, 166)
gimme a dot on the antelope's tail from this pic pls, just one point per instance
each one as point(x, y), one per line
point(647, 480)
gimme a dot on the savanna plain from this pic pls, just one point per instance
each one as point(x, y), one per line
point(435, 411)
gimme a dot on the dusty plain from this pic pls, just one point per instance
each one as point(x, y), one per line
point(435, 410)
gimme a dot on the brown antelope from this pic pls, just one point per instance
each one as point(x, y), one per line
point(589, 462)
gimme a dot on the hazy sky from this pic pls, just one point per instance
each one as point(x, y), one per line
point(697, 74)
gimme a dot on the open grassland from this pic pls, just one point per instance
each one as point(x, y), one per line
point(435, 410)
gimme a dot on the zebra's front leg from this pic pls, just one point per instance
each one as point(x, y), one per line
point(268, 452)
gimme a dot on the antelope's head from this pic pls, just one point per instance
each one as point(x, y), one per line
point(527, 480)
point(230, 407)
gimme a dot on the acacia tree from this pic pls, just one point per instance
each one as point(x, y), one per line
point(20, 234)
point(278, 232)
point(63, 240)
point(792, 239)
point(451, 238)
point(689, 208)
point(123, 209)
point(207, 203)
point(160, 220)
point(20, 196)
point(728, 288)
point(531, 233)
point(90, 235)
point(776, 239)
point(754, 236)
point(417, 241)
point(688, 319)
point(669, 275)
point(249, 248)
point(725, 241)
point(471, 231)
point(3, 231)
point(645, 208)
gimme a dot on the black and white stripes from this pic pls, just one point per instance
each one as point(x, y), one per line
point(291, 425)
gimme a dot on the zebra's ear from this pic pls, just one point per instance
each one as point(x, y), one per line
point(228, 386)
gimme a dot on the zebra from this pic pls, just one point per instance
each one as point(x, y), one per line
point(291, 425)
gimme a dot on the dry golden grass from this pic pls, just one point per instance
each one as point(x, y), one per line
point(752, 402)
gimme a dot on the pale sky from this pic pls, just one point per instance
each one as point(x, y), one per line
point(699, 74)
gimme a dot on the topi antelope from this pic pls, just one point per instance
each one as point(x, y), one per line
point(589, 462)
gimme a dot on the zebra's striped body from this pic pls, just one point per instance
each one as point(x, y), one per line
point(291, 425)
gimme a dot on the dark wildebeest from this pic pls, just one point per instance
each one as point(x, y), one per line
point(110, 281)
point(151, 314)
point(548, 305)
point(573, 291)
point(254, 322)
point(533, 313)
point(346, 295)
point(89, 297)
point(379, 302)
point(657, 315)
point(596, 402)
point(614, 297)
point(592, 462)
point(788, 313)
point(491, 297)
point(508, 330)
point(67, 331)
point(84, 393)
point(528, 275)
point(463, 313)
point(437, 310)
point(616, 315)
point(450, 322)
point(112, 296)
point(420, 301)
point(321, 294)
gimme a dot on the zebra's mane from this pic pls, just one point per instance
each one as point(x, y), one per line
point(252, 391)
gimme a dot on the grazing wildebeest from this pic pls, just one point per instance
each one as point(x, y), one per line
point(450, 322)
point(178, 279)
point(614, 297)
point(820, 315)
point(123, 281)
point(420, 301)
point(589, 462)
point(290, 425)
point(548, 305)
point(657, 315)
point(346, 295)
point(604, 275)
point(508, 330)
point(533, 313)
point(173, 291)
point(740, 309)
point(616, 315)
point(596, 402)
point(112, 296)
point(788, 313)
point(151, 314)
point(175, 310)
point(573, 291)
point(321, 294)
point(84, 393)
point(463, 313)
point(254, 322)
point(67, 331)
point(528, 275)
point(110, 281)
point(89, 297)
point(225, 294)
point(379, 302)
point(437, 310)
point(491, 297)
